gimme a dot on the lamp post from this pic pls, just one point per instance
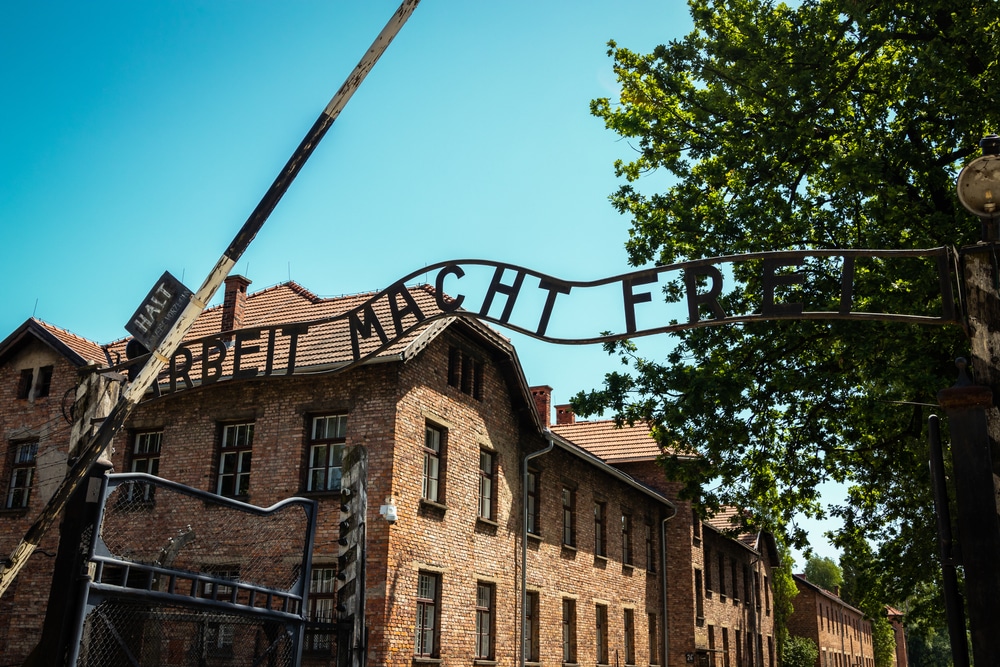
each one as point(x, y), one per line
point(974, 419)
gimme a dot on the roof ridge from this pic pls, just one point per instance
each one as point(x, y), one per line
point(49, 325)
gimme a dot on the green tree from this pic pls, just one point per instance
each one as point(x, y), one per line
point(824, 572)
point(799, 652)
point(826, 124)
point(784, 592)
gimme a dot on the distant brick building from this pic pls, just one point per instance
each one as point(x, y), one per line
point(841, 632)
point(719, 594)
point(455, 446)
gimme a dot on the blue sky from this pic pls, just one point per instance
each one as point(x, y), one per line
point(136, 137)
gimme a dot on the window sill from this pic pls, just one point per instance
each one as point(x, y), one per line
point(603, 558)
point(488, 522)
point(417, 660)
point(483, 661)
point(627, 567)
point(534, 536)
point(650, 573)
point(569, 547)
point(434, 505)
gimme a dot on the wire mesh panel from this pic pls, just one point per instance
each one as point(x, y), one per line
point(184, 577)
point(123, 633)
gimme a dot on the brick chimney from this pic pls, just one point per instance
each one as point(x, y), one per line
point(543, 403)
point(234, 302)
point(565, 414)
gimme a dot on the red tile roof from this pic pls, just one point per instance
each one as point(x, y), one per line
point(88, 350)
point(607, 441)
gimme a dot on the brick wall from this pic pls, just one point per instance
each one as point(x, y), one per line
point(22, 606)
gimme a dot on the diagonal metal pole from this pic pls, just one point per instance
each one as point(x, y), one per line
point(175, 335)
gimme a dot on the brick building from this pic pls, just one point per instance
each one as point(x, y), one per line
point(719, 594)
point(842, 633)
point(484, 496)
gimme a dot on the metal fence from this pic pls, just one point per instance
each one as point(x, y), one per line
point(181, 577)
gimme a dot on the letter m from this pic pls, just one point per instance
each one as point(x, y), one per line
point(362, 321)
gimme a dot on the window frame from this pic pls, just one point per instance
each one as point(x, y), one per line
point(330, 448)
point(628, 638)
point(601, 634)
point(427, 609)
point(434, 458)
point(653, 638)
point(628, 553)
point(24, 462)
point(485, 620)
point(600, 529)
point(142, 455)
point(569, 630)
point(241, 453)
point(486, 510)
point(321, 617)
point(650, 529)
point(533, 500)
point(569, 516)
point(532, 627)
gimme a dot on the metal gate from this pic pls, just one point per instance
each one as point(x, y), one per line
point(184, 578)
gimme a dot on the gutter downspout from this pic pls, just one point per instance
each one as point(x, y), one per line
point(524, 538)
point(663, 584)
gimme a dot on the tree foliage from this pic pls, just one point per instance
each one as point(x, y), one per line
point(799, 652)
point(824, 572)
point(824, 124)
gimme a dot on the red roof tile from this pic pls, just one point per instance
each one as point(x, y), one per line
point(90, 351)
point(607, 441)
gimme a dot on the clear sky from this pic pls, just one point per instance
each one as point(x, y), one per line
point(136, 137)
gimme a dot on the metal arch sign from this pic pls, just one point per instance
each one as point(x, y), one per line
point(533, 304)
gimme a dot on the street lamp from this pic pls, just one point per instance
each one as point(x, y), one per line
point(979, 187)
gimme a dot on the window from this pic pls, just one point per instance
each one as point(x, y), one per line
point(320, 626)
point(145, 458)
point(600, 538)
point(24, 383)
point(722, 575)
point(428, 590)
point(484, 621)
point(708, 573)
point(43, 382)
point(32, 385)
point(532, 525)
point(756, 586)
point(569, 516)
point(650, 534)
point(725, 647)
point(219, 639)
point(531, 627)
point(487, 495)
point(767, 596)
point(739, 649)
point(210, 589)
point(22, 474)
point(627, 539)
point(746, 583)
point(695, 526)
point(234, 460)
point(326, 449)
point(733, 572)
point(433, 450)
point(465, 372)
point(569, 630)
point(628, 616)
point(653, 643)
point(699, 600)
point(601, 614)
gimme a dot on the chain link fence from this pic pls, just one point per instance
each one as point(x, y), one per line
point(181, 577)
